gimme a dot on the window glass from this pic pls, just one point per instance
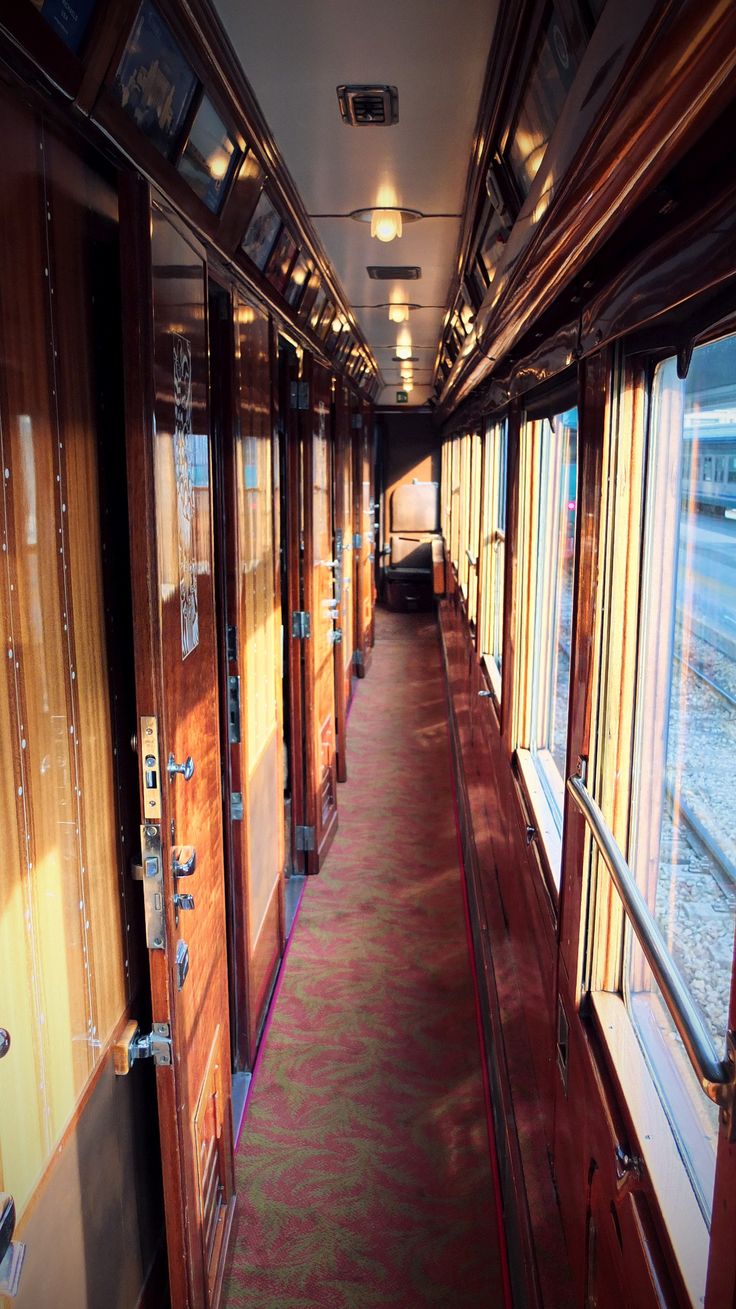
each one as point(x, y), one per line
point(209, 155)
point(683, 840)
point(261, 232)
point(492, 246)
point(154, 84)
point(298, 280)
point(473, 541)
point(550, 78)
point(493, 543)
point(552, 624)
point(455, 502)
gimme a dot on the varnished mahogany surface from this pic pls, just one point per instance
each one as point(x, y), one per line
point(342, 500)
point(318, 462)
point(69, 915)
point(171, 547)
point(257, 618)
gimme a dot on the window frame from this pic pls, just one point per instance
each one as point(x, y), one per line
point(491, 562)
point(541, 787)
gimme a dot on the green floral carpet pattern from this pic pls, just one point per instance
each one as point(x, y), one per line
point(363, 1169)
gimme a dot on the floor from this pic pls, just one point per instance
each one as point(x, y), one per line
point(364, 1170)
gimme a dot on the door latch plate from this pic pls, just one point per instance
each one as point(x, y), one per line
point(153, 886)
point(150, 768)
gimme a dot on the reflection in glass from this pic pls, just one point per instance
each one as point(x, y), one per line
point(553, 606)
point(298, 281)
point(208, 158)
point(492, 246)
point(262, 230)
point(154, 83)
point(279, 265)
point(683, 845)
point(318, 309)
point(550, 79)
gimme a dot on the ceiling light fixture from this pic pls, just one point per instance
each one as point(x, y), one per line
point(386, 224)
point(387, 221)
point(398, 313)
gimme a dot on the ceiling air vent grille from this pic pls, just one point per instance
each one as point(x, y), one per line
point(368, 106)
point(387, 272)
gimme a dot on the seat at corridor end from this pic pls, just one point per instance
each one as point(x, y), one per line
point(414, 569)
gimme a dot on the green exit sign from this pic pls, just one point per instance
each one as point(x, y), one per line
point(402, 397)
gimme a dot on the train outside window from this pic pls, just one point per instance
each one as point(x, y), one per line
point(682, 848)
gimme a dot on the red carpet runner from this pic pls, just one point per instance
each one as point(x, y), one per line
point(363, 1171)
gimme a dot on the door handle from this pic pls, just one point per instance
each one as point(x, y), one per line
point(183, 860)
point(186, 769)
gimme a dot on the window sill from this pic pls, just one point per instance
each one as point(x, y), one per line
point(493, 677)
point(548, 838)
point(665, 1171)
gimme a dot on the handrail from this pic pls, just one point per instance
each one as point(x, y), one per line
point(716, 1076)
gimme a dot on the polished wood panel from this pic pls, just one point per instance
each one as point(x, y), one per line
point(290, 454)
point(321, 763)
point(675, 84)
point(255, 612)
point(66, 897)
point(176, 677)
point(365, 527)
point(343, 516)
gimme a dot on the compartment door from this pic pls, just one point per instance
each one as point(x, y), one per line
point(254, 675)
point(343, 492)
point(178, 737)
point(365, 535)
point(320, 567)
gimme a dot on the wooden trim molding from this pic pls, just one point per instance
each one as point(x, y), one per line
point(678, 80)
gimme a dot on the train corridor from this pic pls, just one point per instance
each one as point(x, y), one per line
point(364, 1171)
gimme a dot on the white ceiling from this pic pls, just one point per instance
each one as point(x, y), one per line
point(294, 54)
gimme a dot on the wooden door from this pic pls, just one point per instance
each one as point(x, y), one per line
point(254, 674)
point(319, 592)
point(344, 590)
point(68, 920)
point(365, 536)
point(176, 680)
point(290, 386)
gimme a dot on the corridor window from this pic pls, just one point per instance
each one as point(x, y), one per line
point(549, 486)
point(683, 847)
point(463, 536)
point(493, 552)
point(455, 503)
point(472, 548)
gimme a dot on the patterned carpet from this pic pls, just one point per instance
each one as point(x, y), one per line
point(363, 1171)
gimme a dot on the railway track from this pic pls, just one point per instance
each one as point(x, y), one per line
point(708, 681)
point(724, 868)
